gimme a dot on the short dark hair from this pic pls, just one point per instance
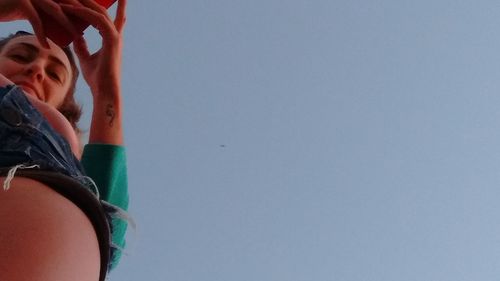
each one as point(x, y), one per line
point(69, 107)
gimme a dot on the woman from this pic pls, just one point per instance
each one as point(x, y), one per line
point(56, 222)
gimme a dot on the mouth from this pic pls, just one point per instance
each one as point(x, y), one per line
point(29, 89)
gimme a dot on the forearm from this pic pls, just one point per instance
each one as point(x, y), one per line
point(106, 125)
point(102, 70)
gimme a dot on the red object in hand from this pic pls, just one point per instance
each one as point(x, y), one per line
point(57, 33)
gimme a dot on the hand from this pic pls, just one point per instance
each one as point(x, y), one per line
point(11, 10)
point(101, 70)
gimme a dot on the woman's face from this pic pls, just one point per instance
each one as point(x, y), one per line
point(43, 73)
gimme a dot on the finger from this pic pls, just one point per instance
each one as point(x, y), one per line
point(120, 13)
point(121, 17)
point(70, 2)
point(96, 19)
point(36, 23)
point(96, 7)
point(55, 11)
point(81, 49)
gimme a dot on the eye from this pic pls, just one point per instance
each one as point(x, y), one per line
point(54, 75)
point(19, 57)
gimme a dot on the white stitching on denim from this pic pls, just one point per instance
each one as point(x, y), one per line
point(12, 172)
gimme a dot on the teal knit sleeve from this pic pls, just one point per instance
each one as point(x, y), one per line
point(106, 165)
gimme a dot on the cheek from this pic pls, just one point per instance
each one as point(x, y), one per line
point(56, 94)
point(8, 68)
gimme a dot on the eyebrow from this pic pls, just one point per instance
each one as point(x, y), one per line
point(35, 49)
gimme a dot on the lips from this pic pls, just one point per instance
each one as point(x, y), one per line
point(29, 89)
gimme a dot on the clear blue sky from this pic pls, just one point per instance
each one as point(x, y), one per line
point(312, 140)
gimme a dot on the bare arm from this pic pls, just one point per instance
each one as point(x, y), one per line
point(102, 70)
point(106, 124)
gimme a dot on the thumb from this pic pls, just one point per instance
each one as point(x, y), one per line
point(80, 48)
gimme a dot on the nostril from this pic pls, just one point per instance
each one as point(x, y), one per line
point(35, 73)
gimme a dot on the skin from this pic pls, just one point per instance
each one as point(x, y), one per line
point(45, 77)
point(40, 242)
point(101, 70)
point(42, 73)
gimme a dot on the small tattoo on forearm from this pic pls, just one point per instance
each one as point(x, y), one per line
point(110, 112)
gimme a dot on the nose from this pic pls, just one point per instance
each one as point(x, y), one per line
point(35, 71)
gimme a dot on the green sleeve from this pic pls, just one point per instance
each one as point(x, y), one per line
point(106, 165)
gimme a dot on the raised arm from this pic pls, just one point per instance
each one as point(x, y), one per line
point(102, 70)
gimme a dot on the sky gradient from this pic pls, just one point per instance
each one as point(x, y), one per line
point(311, 140)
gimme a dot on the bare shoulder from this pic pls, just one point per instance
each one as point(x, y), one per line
point(55, 118)
point(58, 122)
